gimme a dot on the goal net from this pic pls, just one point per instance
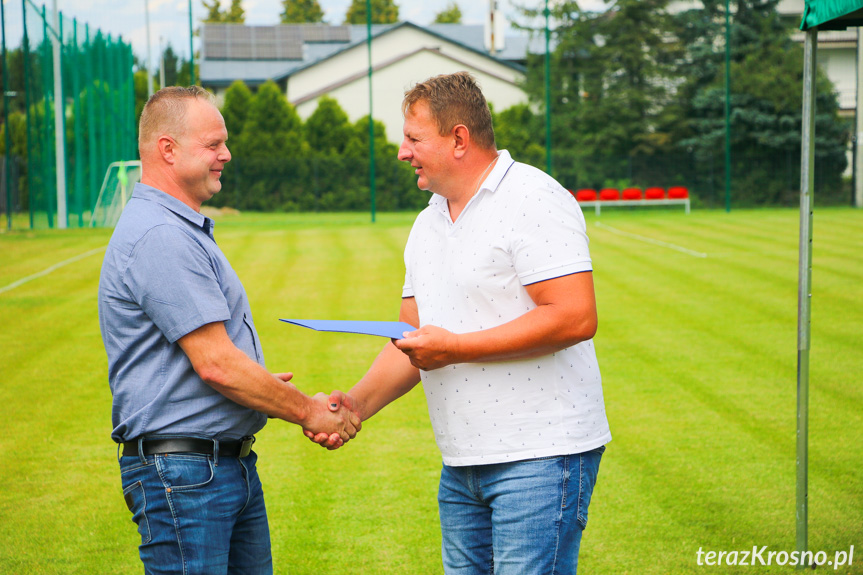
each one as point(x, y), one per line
point(120, 179)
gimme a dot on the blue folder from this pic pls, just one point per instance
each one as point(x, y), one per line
point(390, 329)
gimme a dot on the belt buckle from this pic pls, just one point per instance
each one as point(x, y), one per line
point(246, 448)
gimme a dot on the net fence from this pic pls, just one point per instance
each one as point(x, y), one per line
point(63, 78)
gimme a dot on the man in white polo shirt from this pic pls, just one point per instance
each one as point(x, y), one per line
point(499, 279)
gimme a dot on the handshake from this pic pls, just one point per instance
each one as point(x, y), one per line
point(338, 412)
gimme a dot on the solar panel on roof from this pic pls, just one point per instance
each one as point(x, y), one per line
point(285, 42)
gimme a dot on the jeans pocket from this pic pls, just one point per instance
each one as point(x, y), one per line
point(184, 472)
point(136, 501)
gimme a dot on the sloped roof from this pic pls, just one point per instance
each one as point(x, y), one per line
point(255, 54)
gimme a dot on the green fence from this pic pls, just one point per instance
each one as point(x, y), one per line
point(94, 97)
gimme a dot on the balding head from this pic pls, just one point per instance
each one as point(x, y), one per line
point(165, 115)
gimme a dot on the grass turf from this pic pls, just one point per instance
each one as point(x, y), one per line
point(697, 343)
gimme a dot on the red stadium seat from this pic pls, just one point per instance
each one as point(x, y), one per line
point(585, 195)
point(609, 194)
point(678, 193)
point(654, 193)
point(632, 194)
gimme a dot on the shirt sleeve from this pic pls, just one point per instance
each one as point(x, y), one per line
point(170, 275)
point(551, 237)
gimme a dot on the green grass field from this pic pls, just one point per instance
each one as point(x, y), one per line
point(697, 343)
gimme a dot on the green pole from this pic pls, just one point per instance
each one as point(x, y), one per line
point(371, 120)
point(547, 94)
point(727, 106)
point(191, 48)
point(48, 165)
point(79, 136)
point(30, 169)
point(8, 155)
point(92, 152)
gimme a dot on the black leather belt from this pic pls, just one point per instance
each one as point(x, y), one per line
point(161, 446)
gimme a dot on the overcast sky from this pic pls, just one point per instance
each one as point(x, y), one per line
point(169, 19)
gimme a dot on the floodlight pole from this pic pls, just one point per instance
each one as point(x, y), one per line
point(371, 119)
point(191, 48)
point(727, 106)
point(59, 124)
point(149, 51)
point(547, 94)
point(804, 292)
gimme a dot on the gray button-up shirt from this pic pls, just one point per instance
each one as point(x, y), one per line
point(163, 277)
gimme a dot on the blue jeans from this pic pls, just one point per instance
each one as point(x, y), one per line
point(520, 518)
point(197, 516)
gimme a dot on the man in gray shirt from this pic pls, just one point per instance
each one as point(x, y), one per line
point(185, 364)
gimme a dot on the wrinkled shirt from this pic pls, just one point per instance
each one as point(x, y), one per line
point(163, 277)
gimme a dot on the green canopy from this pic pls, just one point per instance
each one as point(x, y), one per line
point(832, 14)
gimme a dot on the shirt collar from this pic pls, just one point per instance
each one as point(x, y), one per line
point(490, 183)
point(149, 193)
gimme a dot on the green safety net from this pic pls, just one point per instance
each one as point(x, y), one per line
point(96, 103)
point(832, 14)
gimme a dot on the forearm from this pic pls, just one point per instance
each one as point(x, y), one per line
point(237, 377)
point(390, 376)
point(541, 331)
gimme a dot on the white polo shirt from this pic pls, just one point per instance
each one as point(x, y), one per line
point(521, 227)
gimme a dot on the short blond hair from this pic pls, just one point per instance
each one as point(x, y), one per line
point(165, 113)
point(455, 99)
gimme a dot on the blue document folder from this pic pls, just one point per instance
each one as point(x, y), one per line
point(390, 329)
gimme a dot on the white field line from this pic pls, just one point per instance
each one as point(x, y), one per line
point(47, 271)
point(653, 241)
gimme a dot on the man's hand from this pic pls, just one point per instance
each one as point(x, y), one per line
point(336, 402)
point(335, 426)
point(430, 347)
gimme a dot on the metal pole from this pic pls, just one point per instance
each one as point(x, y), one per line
point(547, 94)
point(858, 115)
point(149, 51)
point(7, 172)
point(804, 293)
point(371, 120)
point(191, 48)
point(161, 64)
point(727, 106)
point(30, 161)
point(59, 124)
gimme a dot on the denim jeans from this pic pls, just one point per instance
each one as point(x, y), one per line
point(198, 516)
point(520, 518)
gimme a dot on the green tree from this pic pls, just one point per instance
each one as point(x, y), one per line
point(328, 129)
point(611, 78)
point(383, 12)
point(270, 156)
point(766, 86)
point(235, 108)
point(234, 14)
point(301, 12)
point(449, 15)
point(214, 11)
point(521, 131)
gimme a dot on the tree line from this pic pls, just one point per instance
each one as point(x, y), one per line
point(638, 98)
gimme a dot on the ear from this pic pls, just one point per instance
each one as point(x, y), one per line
point(167, 148)
point(461, 140)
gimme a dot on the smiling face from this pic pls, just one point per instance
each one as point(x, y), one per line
point(429, 153)
point(201, 152)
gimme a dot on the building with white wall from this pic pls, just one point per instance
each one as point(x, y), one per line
point(310, 61)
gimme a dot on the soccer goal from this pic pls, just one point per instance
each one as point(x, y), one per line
point(120, 179)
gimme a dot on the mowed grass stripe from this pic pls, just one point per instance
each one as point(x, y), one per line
point(698, 359)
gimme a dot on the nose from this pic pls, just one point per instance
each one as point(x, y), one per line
point(225, 154)
point(404, 153)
